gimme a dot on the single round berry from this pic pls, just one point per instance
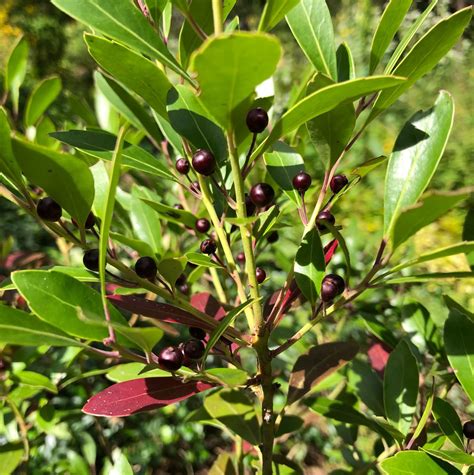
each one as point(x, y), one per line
point(332, 286)
point(338, 182)
point(468, 429)
point(260, 274)
point(194, 349)
point(262, 194)
point(91, 259)
point(273, 237)
point(257, 120)
point(185, 289)
point(322, 217)
point(240, 258)
point(203, 225)
point(249, 206)
point(208, 246)
point(197, 333)
point(170, 358)
point(195, 186)
point(178, 206)
point(301, 182)
point(49, 210)
point(146, 268)
point(182, 166)
point(204, 162)
point(181, 279)
point(90, 221)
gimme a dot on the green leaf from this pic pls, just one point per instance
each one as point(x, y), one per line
point(21, 328)
point(429, 277)
point(134, 71)
point(144, 337)
point(452, 456)
point(173, 215)
point(400, 387)
point(10, 457)
point(311, 25)
point(424, 56)
point(415, 157)
point(122, 22)
point(44, 128)
point(201, 260)
point(273, 12)
point(172, 268)
point(65, 178)
point(234, 409)
point(64, 302)
point(310, 265)
point(368, 166)
point(15, 70)
point(448, 421)
point(459, 345)
point(283, 163)
point(410, 462)
point(190, 120)
point(8, 164)
point(231, 377)
point(35, 380)
point(387, 27)
point(223, 465)
point(424, 417)
point(345, 63)
point(289, 423)
point(229, 67)
point(43, 95)
point(324, 100)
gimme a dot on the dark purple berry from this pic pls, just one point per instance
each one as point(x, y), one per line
point(170, 358)
point(197, 333)
point(146, 268)
point(249, 206)
point(261, 274)
point(257, 120)
point(178, 206)
point(195, 186)
point(240, 257)
point(338, 182)
point(332, 286)
point(273, 237)
point(184, 289)
point(301, 182)
point(181, 279)
point(194, 349)
point(182, 166)
point(322, 217)
point(203, 225)
point(91, 259)
point(90, 221)
point(208, 246)
point(468, 429)
point(49, 210)
point(204, 162)
point(262, 194)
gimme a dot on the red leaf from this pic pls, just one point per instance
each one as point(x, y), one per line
point(206, 303)
point(329, 250)
point(378, 355)
point(138, 395)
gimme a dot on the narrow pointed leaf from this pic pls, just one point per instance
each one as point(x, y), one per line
point(345, 63)
point(449, 422)
point(452, 456)
point(274, 12)
point(44, 94)
point(8, 163)
point(15, 71)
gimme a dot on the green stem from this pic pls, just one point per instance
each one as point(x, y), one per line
point(217, 16)
point(217, 284)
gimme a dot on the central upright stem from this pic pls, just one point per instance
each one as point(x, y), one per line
point(217, 15)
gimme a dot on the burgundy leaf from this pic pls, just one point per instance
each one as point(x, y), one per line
point(329, 250)
point(138, 395)
point(317, 364)
point(206, 303)
point(378, 354)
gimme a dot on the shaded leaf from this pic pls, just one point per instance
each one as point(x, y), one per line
point(42, 96)
point(15, 70)
point(448, 421)
point(10, 457)
point(345, 63)
point(273, 12)
point(8, 163)
point(411, 462)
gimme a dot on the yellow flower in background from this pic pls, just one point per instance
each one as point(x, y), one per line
point(8, 33)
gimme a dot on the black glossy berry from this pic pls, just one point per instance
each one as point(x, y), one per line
point(203, 225)
point(208, 246)
point(182, 166)
point(240, 258)
point(49, 210)
point(332, 286)
point(90, 221)
point(181, 279)
point(338, 182)
point(195, 186)
point(170, 358)
point(468, 429)
point(91, 259)
point(262, 194)
point(260, 274)
point(301, 182)
point(257, 120)
point(249, 206)
point(324, 216)
point(273, 237)
point(194, 349)
point(204, 162)
point(146, 268)
point(197, 333)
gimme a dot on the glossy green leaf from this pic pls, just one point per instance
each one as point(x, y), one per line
point(231, 377)
point(253, 58)
point(95, 140)
point(123, 22)
point(172, 268)
point(452, 456)
point(310, 265)
point(234, 409)
point(173, 215)
point(411, 462)
point(345, 63)
point(144, 337)
point(15, 70)
point(387, 27)
point(424, 56)
point(424, 417)
point(36, 380)
point(283, 163)
point(459, 345)
point(273, 12)
point(311, 25)
point(448, 421)
point(64, 302)
point(415, 157)
point(368, 166)
point(43, 95)
point(400, 387)
point(134, 71)
point(8, 163)
point(21, 328)
point(418, 324)
point(129, 371)
point(65, 178)
point(190, 120)
point(10, 457)
point(141, 247)
point(201, 260)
